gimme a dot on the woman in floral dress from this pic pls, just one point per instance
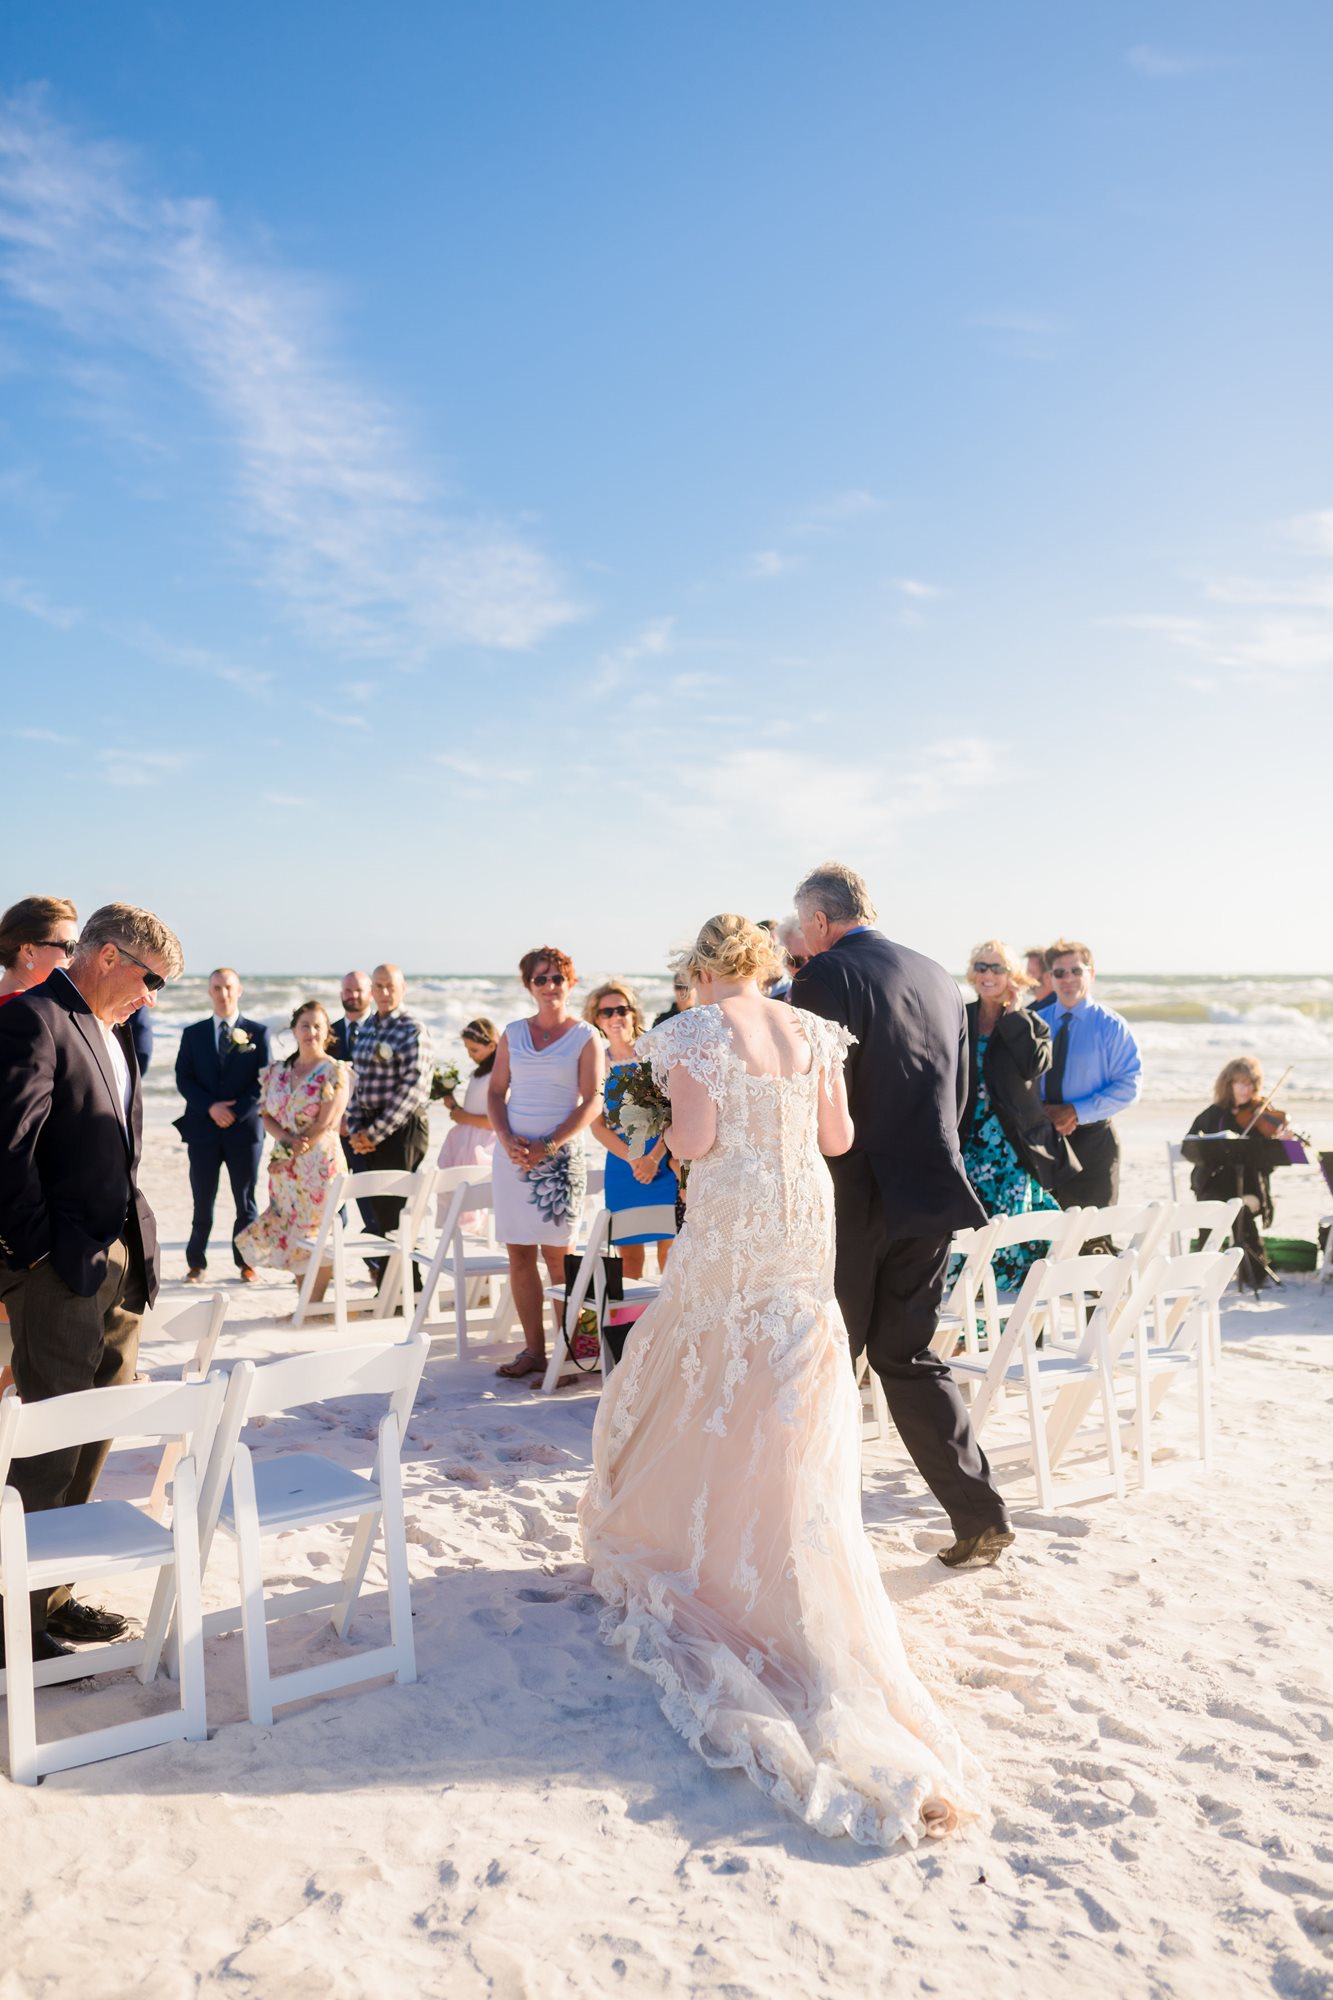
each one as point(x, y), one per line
point(1006, 1140)
point(546, 1088)
point(302, 1101)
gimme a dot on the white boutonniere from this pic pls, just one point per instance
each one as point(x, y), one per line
point(239, 1038)
point(384, 1052)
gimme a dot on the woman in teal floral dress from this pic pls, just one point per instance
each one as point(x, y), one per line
point(1007, 1143)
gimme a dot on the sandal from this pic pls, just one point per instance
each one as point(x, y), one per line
point(526, 1363)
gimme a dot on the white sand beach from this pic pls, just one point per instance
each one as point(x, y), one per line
point(1147, 1682)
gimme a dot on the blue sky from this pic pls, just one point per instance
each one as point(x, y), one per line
point(474, 475)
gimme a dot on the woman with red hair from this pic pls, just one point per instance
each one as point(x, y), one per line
point(545, 1088)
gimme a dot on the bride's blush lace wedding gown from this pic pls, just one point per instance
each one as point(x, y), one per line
point(722, 1518)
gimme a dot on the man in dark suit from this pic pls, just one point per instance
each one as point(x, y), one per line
point(78, 1240)
point(357, 1007)
point(901, 1191)
point(217, 1073)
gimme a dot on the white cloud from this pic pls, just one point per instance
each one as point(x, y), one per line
point(823, 517)
point(614, 668)
point(137, 767)
point(1163, 64)
point(768, 563)
point(911, 586)
point(45, 736)
point(286, 799)
point(350, 532)
point(1027, 336)
point(1261, 629)
point(24, 596)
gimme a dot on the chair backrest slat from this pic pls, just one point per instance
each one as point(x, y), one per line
point(132, 1410)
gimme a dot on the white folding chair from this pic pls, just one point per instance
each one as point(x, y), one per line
point(251, 1497)
point(875, 1422)
point(1326, 1261)
point(1060, 1229)
point(1079, 1292)
point(961, 1309)
point(590, 1278)
point(1212, 1221)
point(462, 1262)
point(201, 1322)
point(1137, 1226)
point(1178, 1170)
point(336, 1242)
point(103, 1538)
point(1173, 1341)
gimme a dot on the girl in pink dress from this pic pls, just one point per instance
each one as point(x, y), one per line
point(470, 1140)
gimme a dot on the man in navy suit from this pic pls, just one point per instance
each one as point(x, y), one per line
point(901, 1191)
point(78, 1244)
point(217, 1073)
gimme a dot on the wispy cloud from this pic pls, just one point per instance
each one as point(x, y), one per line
point(912, 586)
point(614, 668)
point(45, 736)
point(350, 531)
point(1027, 336)
point(136, 766)
point(826, 516)
point(21, 595)
point(1164, 64)
point(1259, 629)
point(288, 800)
point(768, 563)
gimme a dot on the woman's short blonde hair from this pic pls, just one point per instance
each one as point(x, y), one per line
point(1019, 981)
point(638, 1021)
point(1245, 1066)
point(732, 947)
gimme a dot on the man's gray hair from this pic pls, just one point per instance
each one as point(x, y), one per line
point(136, 931)
point(838, 891)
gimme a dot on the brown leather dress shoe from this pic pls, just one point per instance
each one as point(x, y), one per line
point(249, 1277)
point(193, 1277)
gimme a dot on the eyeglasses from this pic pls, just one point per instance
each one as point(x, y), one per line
point(1072, 972)
point(66, 945)
point(549, 979)
point(680, 988)
point(610, 1013)
point(154, 981)
point(988, 965)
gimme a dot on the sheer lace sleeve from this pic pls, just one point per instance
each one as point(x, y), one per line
point(829, 1040)
point(698, 1039)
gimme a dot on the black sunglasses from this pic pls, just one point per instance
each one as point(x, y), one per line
point(68, 945)
point(154, 981)
point(988, 965)
point(1074, 972)
point(549, 979)
point(609, 1013)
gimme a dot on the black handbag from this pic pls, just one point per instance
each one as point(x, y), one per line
point(613, 1272)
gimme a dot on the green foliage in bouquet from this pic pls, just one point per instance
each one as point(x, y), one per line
point(636, 1106)
point(446, 1082)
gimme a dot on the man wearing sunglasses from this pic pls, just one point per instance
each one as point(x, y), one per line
point(77, 1239)
point(1095, 1072)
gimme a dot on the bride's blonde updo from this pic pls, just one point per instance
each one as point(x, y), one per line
point(731, 947)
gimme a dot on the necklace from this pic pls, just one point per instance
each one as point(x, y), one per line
point(544, 1036)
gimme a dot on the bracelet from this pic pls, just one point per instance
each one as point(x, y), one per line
point(551, 1148)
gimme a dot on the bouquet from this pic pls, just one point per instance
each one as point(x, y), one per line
point(637, 1106)
point(446, 1082)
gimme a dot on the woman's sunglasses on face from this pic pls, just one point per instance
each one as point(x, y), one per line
point(549, 979)
point(988, 965)
point(66, 945)
point(610, 1013)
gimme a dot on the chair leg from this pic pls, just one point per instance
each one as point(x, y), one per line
point(171, 1457)
point(155, 1629)
point(249, 1563)
point(1111, 1416)
point(354, 1573)
point(189, 1602)
point(20, 1692)
point(395, 1551)
point(1041, 1464)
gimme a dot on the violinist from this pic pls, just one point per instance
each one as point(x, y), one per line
point(1237, 1097)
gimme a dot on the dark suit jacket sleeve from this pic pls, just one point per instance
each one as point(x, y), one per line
point(809, 991)
point(141, 1034)
point(198, 1095)
point(1028, 1039)
point(27, 1074)
point(248, 1102)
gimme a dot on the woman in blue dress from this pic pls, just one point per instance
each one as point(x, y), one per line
point(640, 1191)
point(1010, 1150)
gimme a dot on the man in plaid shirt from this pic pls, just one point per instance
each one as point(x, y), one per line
point(388, 1128)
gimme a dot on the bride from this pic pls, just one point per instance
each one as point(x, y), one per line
point(722, 1518)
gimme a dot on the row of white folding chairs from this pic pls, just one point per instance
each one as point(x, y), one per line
point(1108, 1326)
point(590, 1281)
point(218, 1484)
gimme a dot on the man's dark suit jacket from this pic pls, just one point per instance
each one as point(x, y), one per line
point(68, 1163)
point(202, 1079)
point(906, 1076)
point(342, 1031)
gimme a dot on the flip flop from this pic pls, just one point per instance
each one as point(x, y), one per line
point(526, 1363)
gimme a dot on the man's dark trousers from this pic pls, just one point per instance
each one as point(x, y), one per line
point(1097, 1184)
point(401, 1152)
point(238, 1149)
point(889, 1292)
point(64, 1343)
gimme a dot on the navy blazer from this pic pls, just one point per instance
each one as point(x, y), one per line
point(906, 1076)
point(202, 1079)
point(342, 1031)
point(68, 1161)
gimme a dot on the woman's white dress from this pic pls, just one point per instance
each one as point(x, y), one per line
point(722, 1518)
point(541, 1205)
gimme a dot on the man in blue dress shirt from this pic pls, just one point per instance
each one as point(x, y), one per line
point(1095, 1071)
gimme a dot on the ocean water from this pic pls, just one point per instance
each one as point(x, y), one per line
point(1187, 1027)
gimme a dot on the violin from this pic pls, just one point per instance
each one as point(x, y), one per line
point(1264, 1120)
